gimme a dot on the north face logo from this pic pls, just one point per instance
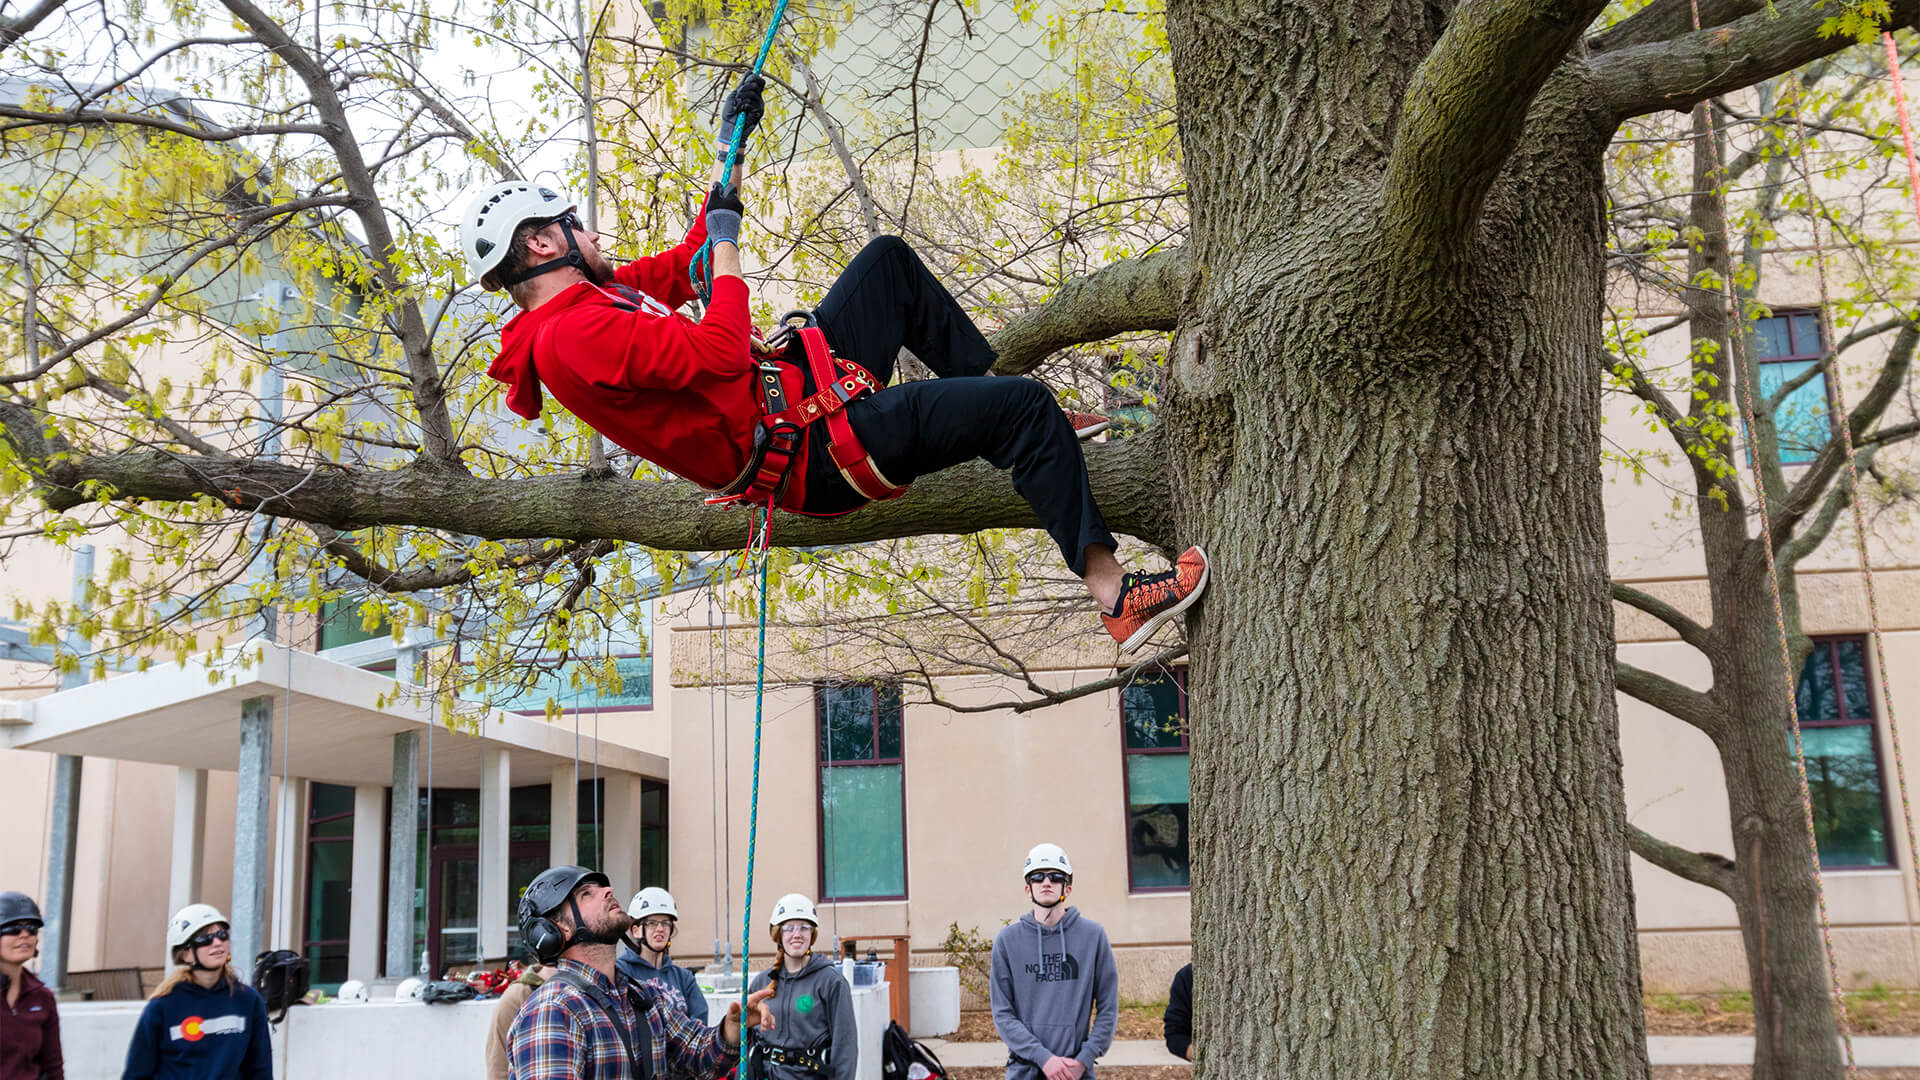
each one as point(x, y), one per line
point(1055, 968)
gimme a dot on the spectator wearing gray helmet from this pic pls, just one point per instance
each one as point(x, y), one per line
point(29, 1021)
point(1050, 971)
point(588, 1022)
point(645, 959)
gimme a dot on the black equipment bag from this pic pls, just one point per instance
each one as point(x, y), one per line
point(899, 1054)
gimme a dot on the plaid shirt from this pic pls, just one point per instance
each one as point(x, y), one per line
point(561, 1034)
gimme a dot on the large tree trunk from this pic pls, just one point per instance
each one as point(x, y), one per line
point(1773, 886)
point(1409, 856)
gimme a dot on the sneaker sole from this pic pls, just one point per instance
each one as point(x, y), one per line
point(1160, 619)
point(1085, 433)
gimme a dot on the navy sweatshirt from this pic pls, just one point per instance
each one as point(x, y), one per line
point(683, 991)
point(198, 1034)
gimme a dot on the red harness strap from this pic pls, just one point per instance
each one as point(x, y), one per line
point(777, 437)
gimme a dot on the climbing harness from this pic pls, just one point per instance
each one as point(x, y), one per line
point(700, 269)
point(781, 430)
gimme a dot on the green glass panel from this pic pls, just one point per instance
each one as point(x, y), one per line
point(864, 832)
point(890, 722)
point(1157, 846)
point(1853, 678)
point(846, 732)
point(328, 800)
point(530, 805)
point(1150, 709)
point(636, 689)
point(1814, 696)
point(1849, 807)
point(1156, 778)
point(1801, 421)
point(336, 827)
point(329, 879)
point(340, 624)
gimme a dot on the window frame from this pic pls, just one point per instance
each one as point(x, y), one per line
point(1179, 676)
point(822, 764)
point(307, 942)
point(1816, 357)
point(1830, 643)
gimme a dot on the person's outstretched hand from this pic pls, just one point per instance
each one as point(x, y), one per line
point(761, 1016)
point(743, 109)
point(724, 210)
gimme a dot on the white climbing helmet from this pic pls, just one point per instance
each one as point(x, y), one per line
point(1047, 857)
point(792, 906)
point(652, 900)
point(353, 991)
point(486, 227)
point(189, 921)
point(409, 989)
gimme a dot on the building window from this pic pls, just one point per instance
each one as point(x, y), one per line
point(1843, 756)
point(329, 882)
point(1153, 715)
point(863, 820)
point(653, 832)
point(1786, 346)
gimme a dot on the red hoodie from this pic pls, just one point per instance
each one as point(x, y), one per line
point(676, 392)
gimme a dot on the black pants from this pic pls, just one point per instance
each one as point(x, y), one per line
point(886, 300)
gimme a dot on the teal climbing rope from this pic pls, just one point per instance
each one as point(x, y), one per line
point(757, 548)
point(700, 270)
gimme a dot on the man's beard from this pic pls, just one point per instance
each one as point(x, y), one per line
point(609, 931)
point(599, 269)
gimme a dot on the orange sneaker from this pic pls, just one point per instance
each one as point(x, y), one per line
point(1087, 425)
point(1148, 601)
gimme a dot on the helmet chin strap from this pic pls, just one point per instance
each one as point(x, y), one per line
point(574, 258)
point(193, 959)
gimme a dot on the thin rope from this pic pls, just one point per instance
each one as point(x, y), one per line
point(726, 757)
point(826, 699)
point(757, 548)
point(713, 771)
point(700, 269)
point(1737, 349)
point(1894, 76)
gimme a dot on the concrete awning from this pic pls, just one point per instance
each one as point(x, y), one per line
point(329, 724)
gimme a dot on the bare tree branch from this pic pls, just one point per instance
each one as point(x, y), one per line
point(1691, 632)
point(1681, 702)
point(12, 30)
point(1047, 698)
point(1141, 293)
point(1463, 115)
point(1699, 867)
point(1682, 71)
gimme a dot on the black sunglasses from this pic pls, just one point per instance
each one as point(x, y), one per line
point(1053, 876)
point(571, 220)
point(19, 928)
point(201, 941)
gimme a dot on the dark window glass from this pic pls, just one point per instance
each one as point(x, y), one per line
point(1837, 731)
point(329, 881)
point(1787, 346)
point(863, 835)
point(1153, 712)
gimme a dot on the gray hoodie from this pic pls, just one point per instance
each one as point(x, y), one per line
point(813, 1010)
point(1046, 980)
point(679, 983)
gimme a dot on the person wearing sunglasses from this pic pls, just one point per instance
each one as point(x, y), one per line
point(1051, 971)
point(29, 1020)
point(707, 401)
point(645, 959)
point(202, 1022)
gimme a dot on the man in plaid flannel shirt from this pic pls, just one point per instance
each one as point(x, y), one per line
point(563, 1034)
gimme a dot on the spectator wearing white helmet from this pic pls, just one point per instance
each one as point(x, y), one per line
point(814, 1037)
point(645, 959)
point(1051, 971)
point(202, 1022)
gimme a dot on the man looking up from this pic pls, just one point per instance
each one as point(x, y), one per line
point(588, 1022)
point(1051, 971)
point(690, 396)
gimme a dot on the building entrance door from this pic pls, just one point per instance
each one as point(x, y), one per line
point(453, 902)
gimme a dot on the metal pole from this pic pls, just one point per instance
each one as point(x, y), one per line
point(63, 819)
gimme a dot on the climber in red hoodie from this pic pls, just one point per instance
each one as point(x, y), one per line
point(611, 347)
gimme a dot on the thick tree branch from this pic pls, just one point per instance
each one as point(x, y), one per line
point(1682, 71)
point(1665, 19)
point(1680, 702)
point(1463, 115)
point(429, 393)
point(26, 118)
point(1699, 867)
point(1133, 294)
point(12, 30)
point(1678, 621)
point(1128, 478)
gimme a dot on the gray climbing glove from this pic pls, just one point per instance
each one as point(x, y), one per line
point(743, 109)
point(723, 215)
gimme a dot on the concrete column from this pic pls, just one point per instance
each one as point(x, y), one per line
point(289, 861)
point(402, 840)
point(252, 850)
point(496, 786)
point(63, 817)
point(189, 842)
point(620, 833)
point(368, 887)
point(563, 830)
point(63, 837)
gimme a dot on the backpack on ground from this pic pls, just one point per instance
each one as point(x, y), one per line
point(281, 977)
point(447, 991)
point(903, 1059)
